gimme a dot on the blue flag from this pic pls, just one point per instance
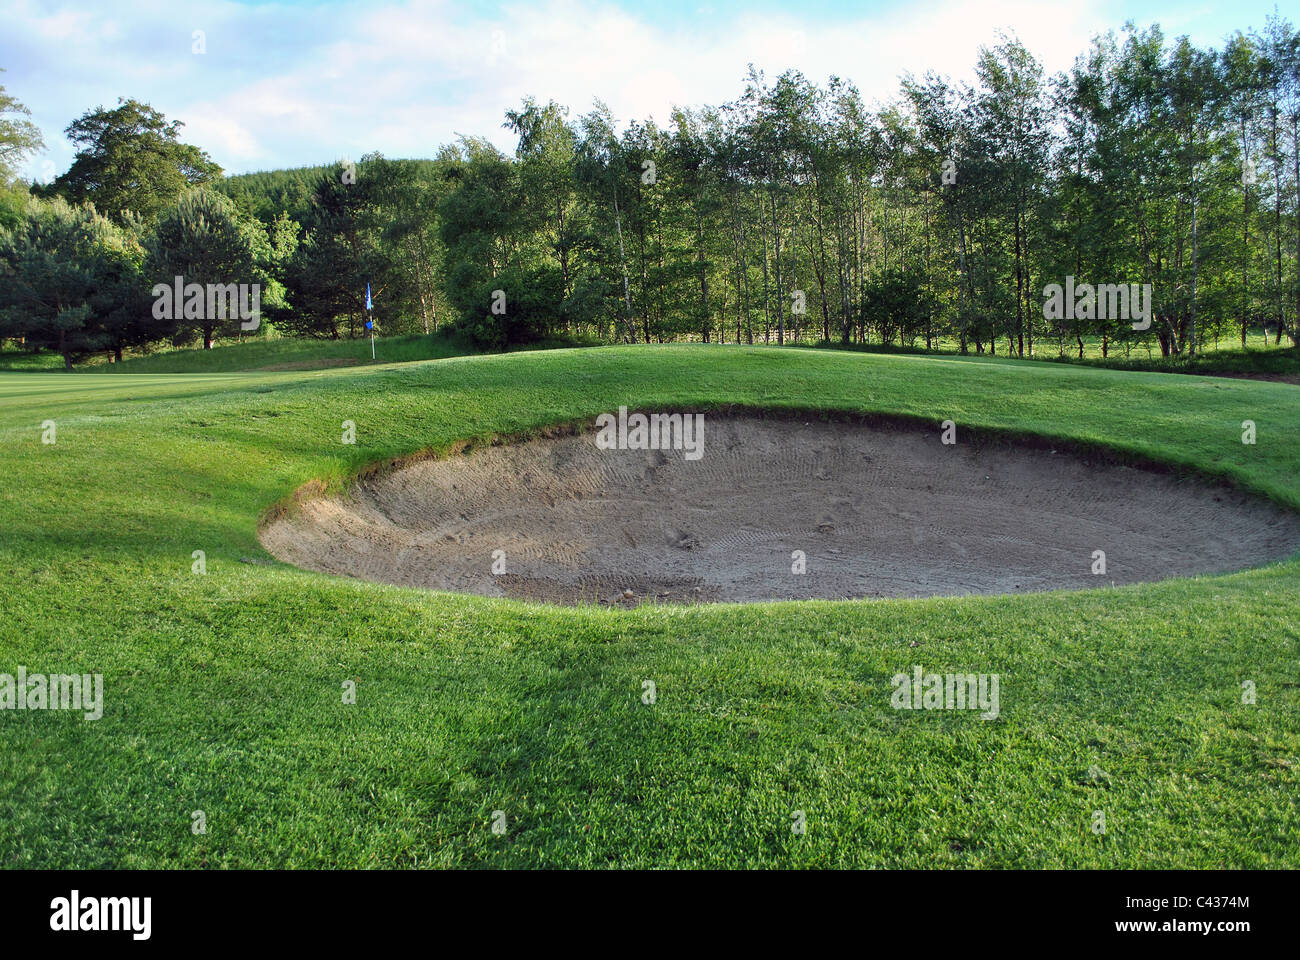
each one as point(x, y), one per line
point(367, 296)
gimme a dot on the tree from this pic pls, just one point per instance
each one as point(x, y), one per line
point(482, 230)
point(601, 172)
point(19, 138)
point(1012, 114)
point(131, 159)
point(895, 302)
point(121, 305)
point(70, 281)
point(797, 209)
point(546, 156)
point(1281, 94)
point(406, 196)
point(325, 280)
point(202, 239)
point(1245, 76)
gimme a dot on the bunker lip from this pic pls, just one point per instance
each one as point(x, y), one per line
point(867, 506)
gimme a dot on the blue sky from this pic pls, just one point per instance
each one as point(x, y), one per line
point(291, 83)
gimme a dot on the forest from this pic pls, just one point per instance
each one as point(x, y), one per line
point(795, 213)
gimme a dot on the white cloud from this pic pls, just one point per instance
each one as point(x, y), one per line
point(281, 86)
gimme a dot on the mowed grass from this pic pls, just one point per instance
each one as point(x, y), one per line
point(264, 354)
point(1262, 358)
point(223, 692)
point(253, 355)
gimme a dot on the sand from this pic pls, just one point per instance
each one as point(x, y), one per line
point(874, 512)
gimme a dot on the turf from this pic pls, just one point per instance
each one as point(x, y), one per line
point(266, 354)
point(1263, 358)
point(252, 355)
point(223, 690)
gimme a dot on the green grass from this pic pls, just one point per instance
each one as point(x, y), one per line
point(1226, 357)
point(262, 354)
point(291, 353)
point(222, 692)
point(256, 354)
point(247, 356)
point(16, 359)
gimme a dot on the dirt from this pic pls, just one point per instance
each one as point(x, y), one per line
point(875, 512)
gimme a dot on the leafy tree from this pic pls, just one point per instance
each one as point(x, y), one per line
point(479, 226)
point(1013, 120)
point(122, 306)
point(131, 159)
point(546, 157)
point(19, 138)
point(268, 194)
point(406, 195)
point(796, 213)
point(325, 279)
point(1281, 97)
point(1245, 79)
point(895, 302)
point(70, 281)
point(202, 239)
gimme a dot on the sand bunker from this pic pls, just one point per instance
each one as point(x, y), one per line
point(874, 513)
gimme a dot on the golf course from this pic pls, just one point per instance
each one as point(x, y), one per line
point(259, 714)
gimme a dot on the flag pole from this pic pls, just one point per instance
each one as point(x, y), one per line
point(370, 322)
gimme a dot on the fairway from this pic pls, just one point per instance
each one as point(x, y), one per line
point(130, 548)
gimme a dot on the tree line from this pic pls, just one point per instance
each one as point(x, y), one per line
point(794, 213)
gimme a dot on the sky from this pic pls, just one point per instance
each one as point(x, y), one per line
point(288, 84)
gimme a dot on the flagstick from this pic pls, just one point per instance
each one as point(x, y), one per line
point(370, 323)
